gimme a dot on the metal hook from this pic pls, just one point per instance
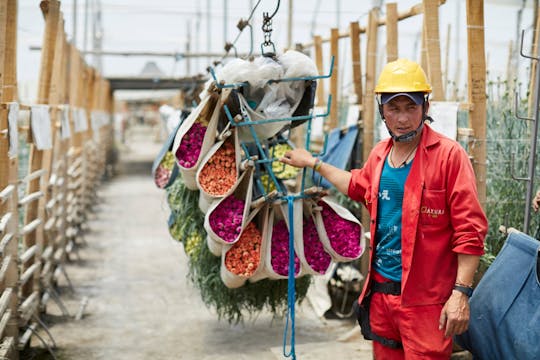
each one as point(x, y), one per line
point(251, 40)
point(521, 48)
point(275, 11)
point(516, 111)
point(513, 168)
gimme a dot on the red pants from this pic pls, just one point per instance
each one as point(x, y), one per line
point(417, 327)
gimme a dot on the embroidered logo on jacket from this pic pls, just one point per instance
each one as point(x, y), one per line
point(434, 213)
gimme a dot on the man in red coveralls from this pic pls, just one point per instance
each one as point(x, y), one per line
point(427, 226)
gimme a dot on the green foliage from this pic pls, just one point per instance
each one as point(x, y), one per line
point(232, 304)
point(204, 267)
point(188, 219)
point(508, 152)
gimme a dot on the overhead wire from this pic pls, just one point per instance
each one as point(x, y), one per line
point(241, 26)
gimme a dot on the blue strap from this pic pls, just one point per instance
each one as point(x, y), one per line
point(290, 284)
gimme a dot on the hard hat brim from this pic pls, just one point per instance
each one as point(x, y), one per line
point(417, 97)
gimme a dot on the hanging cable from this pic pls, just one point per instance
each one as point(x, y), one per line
point(267, 31)
point(242, 24)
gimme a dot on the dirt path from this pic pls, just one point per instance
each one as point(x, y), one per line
point(140, 303)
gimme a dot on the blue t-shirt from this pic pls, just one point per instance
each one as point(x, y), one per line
point(388, 234)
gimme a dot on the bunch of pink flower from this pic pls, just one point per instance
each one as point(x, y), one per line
point(280, 250)
point(244, 257)
point(190, 146)
point(344, 235)
point(162, 176)
point(316, 256)
point(226, 219)
point(164, 170)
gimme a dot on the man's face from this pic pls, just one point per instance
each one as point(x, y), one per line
point(402, 115)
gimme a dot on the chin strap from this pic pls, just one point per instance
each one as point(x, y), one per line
point(408, 137)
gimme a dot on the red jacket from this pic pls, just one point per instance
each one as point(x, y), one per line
point(441, 215)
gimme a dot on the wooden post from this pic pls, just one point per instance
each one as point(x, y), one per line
point(391, 32)
point(9, 166)
point(356, 63)
point(321, 96)
point(36, 209)
point(532, 81)
point(54, 96)
point(334, 80)
point(423, 50)
point(368, 115)
point(3, 27)
point(74, 84)
point(371, 78)
point(446, 62)
point(433, 48)
point(92, 83)
point(477, 91)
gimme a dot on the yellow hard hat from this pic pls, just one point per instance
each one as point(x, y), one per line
point(402, 76)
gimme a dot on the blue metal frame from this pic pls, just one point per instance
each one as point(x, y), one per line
point(265, 159)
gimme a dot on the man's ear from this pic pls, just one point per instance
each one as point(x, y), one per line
point(425, 109)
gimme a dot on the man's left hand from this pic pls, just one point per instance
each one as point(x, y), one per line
point(455, 314)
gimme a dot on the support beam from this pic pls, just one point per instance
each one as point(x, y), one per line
point(477, 91)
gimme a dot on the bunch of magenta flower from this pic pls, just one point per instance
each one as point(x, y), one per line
point(317, 258)
point(280, 250)
point(189, 150)
point(226, 219)
point(344, 235)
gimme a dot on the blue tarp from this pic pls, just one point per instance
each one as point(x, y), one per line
point(505, 306)
point(339, 145)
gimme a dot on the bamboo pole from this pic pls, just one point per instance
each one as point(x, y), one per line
point(36, 210)
point(446, 62)
point(53, 161)
point(423, 50)
point(391, 32)
point(433, 47)
point(477, 91)
point(368, 102)
point(321, 96)
point(532, 76)
point(8, 70)
point(92, 84)
point(54, 92)
point(74, 84)
point(3, 25)
point(62, 145)
point(412, 11)
point(371, 69)
point(356, 63)
point(334, 80)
